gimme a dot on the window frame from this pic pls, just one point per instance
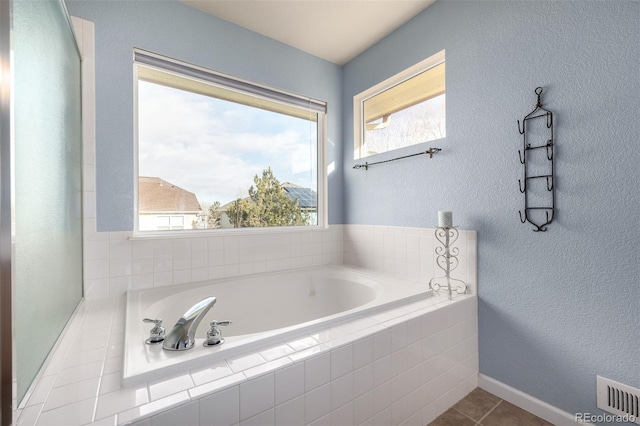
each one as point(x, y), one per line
point(399, 78)
point(259, 91)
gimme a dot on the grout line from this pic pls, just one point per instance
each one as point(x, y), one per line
point(490, 411)
point(472, 419)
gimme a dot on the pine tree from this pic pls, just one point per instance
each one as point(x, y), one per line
point(267, 205)
point(214, 215)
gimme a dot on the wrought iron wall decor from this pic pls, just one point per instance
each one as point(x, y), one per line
point(428, 152)
point(447, 260)
point(533, 214)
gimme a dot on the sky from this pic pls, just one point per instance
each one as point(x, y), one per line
point(213, 147)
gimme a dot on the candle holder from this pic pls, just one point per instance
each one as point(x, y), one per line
point(447, 260)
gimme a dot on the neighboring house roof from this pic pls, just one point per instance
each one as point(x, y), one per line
point(158, 195)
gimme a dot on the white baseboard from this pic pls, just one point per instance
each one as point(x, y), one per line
point(533, 405)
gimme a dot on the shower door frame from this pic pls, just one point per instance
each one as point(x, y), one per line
point(6, 298)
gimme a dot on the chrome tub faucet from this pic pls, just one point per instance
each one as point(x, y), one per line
point(182, 335)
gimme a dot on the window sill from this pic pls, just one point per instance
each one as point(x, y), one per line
point(230, 232)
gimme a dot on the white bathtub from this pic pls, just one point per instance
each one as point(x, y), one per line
point(264, 308)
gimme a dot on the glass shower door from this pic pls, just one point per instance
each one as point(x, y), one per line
point(47, 198)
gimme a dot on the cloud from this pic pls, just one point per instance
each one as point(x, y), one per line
point(214, 148)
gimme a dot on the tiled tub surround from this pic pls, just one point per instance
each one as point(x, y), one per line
point(115, 263)
point(407, 253)
point(265, 308)
point(404, 366)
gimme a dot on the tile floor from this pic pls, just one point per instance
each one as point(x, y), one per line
point(481, 408)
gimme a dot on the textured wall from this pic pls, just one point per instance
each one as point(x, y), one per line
point(559, 307)
point(179, 31)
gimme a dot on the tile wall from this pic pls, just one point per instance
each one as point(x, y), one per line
point(408, 253)
point(403, 366)
point(114, 263)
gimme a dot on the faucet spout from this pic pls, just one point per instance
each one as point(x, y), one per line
point(182, 335)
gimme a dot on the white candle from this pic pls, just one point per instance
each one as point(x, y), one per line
point(445, 219)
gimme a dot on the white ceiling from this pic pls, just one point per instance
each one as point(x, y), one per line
point(336, 30)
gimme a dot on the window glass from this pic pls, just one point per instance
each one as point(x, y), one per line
point(214, 157)
point(407, 109)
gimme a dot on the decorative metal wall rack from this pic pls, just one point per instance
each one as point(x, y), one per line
point(447, 260)
point(428, 152)
point(533, 214)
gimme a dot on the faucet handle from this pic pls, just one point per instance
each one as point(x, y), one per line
point(156, 334)
point(214, 336)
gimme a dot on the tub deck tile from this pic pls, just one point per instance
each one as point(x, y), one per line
point(78, 413)
point(243, 362)
point(130, 405)
point(121, 400)
point(78, 374)
point(74, 392)
point(110, 383)
point(302, 343)
point(369, 331)
point(107, 421)
point(383, 316)
point(214, 372)
point(217, 385)
point(29, 415)
point(339, 342)
point(277, 351)
point(354, 326)
point(163, 388)
point(147, 410)
point(327, 334)
point(267, 367)
point(112, 365)
point(308, 353)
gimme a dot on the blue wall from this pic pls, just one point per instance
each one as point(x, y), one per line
point(179, 31)
point(556, 307)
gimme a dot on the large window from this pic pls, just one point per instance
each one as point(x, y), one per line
point(404, 110)
point(216, 152)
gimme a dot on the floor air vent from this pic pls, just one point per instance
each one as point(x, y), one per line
point(619, 399)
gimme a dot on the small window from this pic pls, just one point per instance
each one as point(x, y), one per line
point(216, 152)
point(404, 110)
